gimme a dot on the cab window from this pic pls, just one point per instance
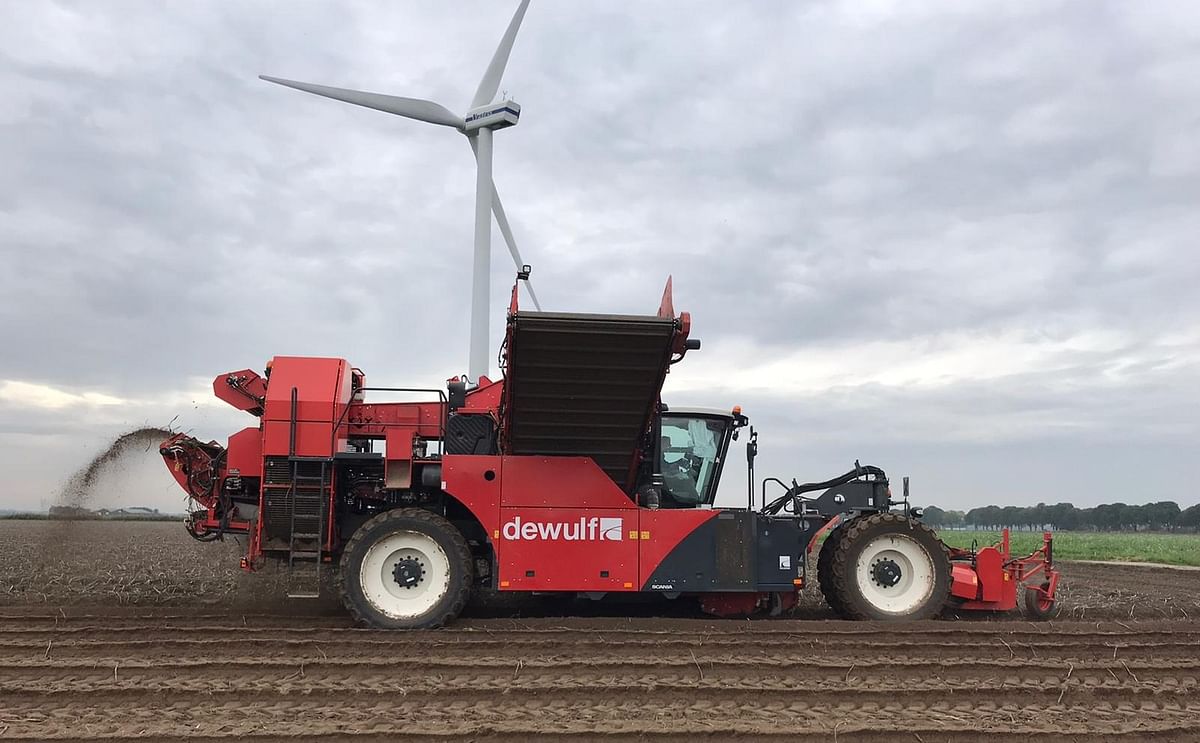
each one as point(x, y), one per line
point(691, 447)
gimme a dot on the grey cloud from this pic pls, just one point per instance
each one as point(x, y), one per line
point(818, 176)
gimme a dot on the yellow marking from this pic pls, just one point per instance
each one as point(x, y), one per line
point(628, 584)
point(1006, 577)
point(504, 584)
point(633, 536)
point(645, 535)
point(496, 534)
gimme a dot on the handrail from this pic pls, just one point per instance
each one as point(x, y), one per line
point(442, 416)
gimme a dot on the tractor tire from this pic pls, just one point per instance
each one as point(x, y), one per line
point(825, 569)
point(889, 567)
point(406, 568)
point(1035, 606)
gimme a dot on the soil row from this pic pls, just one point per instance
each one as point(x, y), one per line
point(619, 714)
point(557, 652)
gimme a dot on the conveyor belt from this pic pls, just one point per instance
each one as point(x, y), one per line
point(584, 385)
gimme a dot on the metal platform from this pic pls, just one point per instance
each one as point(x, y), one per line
point(584, 385)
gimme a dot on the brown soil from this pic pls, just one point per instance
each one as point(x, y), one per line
point(196, 660)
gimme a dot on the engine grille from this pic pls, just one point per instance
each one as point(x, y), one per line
point(280, 500)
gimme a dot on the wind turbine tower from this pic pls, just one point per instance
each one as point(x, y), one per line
point(485, 116)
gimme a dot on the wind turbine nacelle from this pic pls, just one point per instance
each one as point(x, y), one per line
point(493, 116)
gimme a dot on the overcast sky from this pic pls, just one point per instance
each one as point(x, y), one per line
point(958, 240)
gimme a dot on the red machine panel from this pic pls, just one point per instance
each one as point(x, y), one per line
point(989, 565)
point(322, 388)
point(313, 439)
point(318, 382)
point(475, 481)
point(245, 453)
point(485, 397)
point(567, 549)
point(399, 457)
point(964, 582)
point(376, 419)
point(661, 530)
point(570, 482)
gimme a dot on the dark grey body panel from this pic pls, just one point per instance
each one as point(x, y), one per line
point(737, 550)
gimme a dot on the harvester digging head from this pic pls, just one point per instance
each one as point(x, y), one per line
point(199, 469)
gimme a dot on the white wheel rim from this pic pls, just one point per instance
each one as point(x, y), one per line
point(377, 574)
point(915, 565)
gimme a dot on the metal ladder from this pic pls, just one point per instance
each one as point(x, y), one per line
point(306, 501)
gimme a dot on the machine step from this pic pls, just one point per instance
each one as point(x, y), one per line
point(307, 502)
point(304, 594)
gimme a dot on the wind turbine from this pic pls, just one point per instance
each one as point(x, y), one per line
point(484, 116)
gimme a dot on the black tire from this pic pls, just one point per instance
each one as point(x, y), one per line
point(412, 521)
point(928, 597)
point(825, 569)
point(1035, 607)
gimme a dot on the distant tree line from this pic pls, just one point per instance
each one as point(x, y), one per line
point(1161, 516)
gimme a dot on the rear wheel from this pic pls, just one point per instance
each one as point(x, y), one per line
point(887, 566)
point(406, 569)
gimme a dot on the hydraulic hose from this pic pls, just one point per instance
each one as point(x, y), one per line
point(777, 505)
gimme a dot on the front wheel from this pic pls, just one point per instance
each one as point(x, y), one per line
point(887, 566)
point(406, 569)
point(825, 578)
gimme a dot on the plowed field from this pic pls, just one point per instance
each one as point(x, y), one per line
point(134, 653)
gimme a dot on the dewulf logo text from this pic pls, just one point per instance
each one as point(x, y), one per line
point(584, 530)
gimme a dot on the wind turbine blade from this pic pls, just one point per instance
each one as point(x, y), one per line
point(506, 231)
point(410, 108)
point(491, 79)
point(529, 287)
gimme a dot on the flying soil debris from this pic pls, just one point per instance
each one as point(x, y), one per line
point(78, 488)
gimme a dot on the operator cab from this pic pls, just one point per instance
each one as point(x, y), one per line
point(691, 453)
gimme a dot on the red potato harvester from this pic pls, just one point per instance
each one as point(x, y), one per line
point(568, 475)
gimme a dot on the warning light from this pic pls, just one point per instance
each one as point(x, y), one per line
point(737, 409)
